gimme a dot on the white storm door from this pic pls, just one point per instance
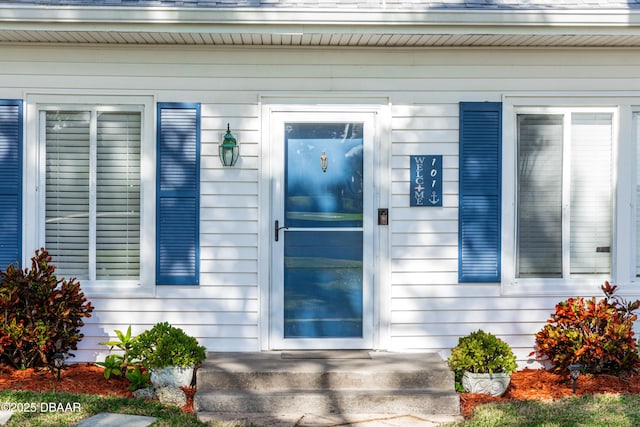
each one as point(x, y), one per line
point(322, 230)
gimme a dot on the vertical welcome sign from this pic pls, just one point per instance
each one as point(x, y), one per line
point(426, 180)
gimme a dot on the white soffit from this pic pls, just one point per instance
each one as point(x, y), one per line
point(318, 27)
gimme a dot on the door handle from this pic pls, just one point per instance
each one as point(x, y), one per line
point(277, 228)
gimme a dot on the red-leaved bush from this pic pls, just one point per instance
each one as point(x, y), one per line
point(39, 314)
point(595, 334)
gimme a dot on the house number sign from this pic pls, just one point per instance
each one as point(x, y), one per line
point(426, 180)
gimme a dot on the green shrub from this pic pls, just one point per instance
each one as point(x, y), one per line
point(165, 345)
point(483, 353)
point(39, 314)
point(596, 334)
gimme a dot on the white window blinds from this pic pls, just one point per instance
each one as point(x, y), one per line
point(67, 183)
point(118, 196)
point(93, 193)
point(591, 194)
point(539, 195)
point(565, 199)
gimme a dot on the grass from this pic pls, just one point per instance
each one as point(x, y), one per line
point(585, 411)
point(53, 409)
point(66, 409)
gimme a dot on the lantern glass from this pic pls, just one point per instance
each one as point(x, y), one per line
point(229, 154)
point(58, 360)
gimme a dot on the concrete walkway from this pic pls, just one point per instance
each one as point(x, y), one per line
point(285, 420)
point(311, 420)
point(106, 419)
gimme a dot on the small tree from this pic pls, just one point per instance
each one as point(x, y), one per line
point(39, 314)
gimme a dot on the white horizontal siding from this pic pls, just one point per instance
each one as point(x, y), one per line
point(428, 308)
point(229, 231)
point(424, 240)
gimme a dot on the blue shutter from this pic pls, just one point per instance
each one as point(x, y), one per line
point(480, 188)
point(178, 195)
point(10, 182)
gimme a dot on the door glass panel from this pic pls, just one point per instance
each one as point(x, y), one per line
point(323, 244)
point(324, 175)
point(323, 284)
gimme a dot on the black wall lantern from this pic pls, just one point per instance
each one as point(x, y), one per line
point(229, 150)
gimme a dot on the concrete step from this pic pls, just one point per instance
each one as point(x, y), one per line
point(425, 401)
point(335, 380)
point(269, 372)
point(326, 382)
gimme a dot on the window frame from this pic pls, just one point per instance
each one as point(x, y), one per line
point(632, 264)
point(567, 285)
point(34, 177)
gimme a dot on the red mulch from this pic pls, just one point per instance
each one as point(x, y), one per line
point(74, 378)
point(538, 384)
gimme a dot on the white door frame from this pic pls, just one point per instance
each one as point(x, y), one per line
point(375, 270)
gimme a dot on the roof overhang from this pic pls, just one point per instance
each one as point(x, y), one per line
point(319, 27)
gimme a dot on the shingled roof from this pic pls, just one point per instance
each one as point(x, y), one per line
point(361, 23)
point(356, 4)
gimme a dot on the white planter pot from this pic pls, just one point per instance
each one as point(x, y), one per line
point(172, 376)
point(493, 384)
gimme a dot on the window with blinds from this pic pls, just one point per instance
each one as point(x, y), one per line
point(564, 194)
point(93, 193)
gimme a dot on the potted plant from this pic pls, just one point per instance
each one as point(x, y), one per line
point(169, 354)
point(483, 362)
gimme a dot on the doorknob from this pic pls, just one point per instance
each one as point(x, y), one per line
point(277, 229)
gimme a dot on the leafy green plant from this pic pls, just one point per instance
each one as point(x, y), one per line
point(482, 352)
point(596, 334)
point(165, 345)
point(112, 365)
point(39, 314)
point(124, 343)
point(138, 378)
